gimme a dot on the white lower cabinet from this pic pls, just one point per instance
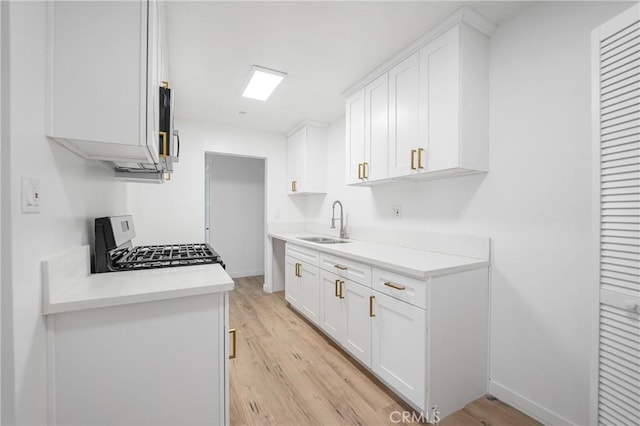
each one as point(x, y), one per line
point(154, 363)
point(291, 281)
point(302, 288)
point(310, 292)
point(427, 339)
point(357, 340)
point(399, 346)
point(345, 314)
point(332, 307)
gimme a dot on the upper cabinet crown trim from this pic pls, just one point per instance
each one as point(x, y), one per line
point(464, 15)
point(306, 123)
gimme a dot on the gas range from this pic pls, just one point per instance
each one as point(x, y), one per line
point(114, 250)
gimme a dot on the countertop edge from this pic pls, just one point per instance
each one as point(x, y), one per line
point(58, 307)
point(420, 274)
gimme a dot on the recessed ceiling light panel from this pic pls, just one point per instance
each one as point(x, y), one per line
point(262, 83)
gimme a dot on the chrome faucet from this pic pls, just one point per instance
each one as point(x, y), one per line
point(343, 233)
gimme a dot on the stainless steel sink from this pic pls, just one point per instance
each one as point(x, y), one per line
point(323, 240)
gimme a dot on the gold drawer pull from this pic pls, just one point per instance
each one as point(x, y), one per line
point(341, 267)
point(337, 293)
point(371, 299)
point(359, 170)
point(420, 150)
point(293, 186)
point(234, 344)
point(341, 289)
point(365, 173)
point(396, 286)
point(413, 159)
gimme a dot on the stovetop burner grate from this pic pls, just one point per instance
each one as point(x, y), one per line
point(163, 256)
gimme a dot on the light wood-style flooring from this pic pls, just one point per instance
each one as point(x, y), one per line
point(287, 373)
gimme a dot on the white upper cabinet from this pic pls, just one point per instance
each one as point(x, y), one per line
point(437, 121)
point(367, 123)
point(376, 131)
point(404, 114)
point(307, 160)
point(355, 152)
point(439, 103)
point(104, 74)
point(454, 104)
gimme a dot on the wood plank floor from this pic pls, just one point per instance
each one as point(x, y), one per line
point(288, 373)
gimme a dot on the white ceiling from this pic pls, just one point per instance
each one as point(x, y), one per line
point(325, 47)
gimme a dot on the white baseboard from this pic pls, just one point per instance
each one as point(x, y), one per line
point(530, 408)
point(242, 274)
point(267, 288)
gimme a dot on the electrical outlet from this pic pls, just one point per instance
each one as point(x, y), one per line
point(396, 211)
point(30, 195)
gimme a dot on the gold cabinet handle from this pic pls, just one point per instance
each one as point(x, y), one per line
point(165, 84)
point(420, 150)
point(297, 272)
point(300, 269)
point(234, 344)
point(163, 135)
point(371, 299)
point(294, 184)
point(396, 286)
point(341, 289)
point(337, 292)
point(341, 267)
point(413, 159)
point(359, 170)
point(365, 172)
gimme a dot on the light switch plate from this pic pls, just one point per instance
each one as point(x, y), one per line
point(30, 195)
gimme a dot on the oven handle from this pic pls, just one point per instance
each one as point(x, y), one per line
point(176, 133)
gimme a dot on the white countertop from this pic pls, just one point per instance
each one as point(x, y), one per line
point(68, 284)
point(417, 263)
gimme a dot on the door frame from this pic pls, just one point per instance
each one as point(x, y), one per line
point(207, 208)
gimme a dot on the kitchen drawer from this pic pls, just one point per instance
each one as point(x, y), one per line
point(304, 254)
point(345, 268)
point(401, 287)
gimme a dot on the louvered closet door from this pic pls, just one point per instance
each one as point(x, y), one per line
point(619, 339)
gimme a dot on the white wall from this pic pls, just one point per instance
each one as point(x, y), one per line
point(73, 192)
point(237, 212)
point(535, 204)
point(3, 165)
point(174, 212)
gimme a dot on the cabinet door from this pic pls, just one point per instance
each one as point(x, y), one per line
point(332, 314)
point(291, 282)
point(355, 136)
point(96, 109)
point(399, 343)
point(154, 80)
point(439, 102)
point(143, 377)
point(296, 161)
point(404, 110)
point(310, 292)
point(357, 339)
point(376, 129)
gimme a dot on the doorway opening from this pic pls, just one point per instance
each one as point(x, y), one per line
point(235, 220)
